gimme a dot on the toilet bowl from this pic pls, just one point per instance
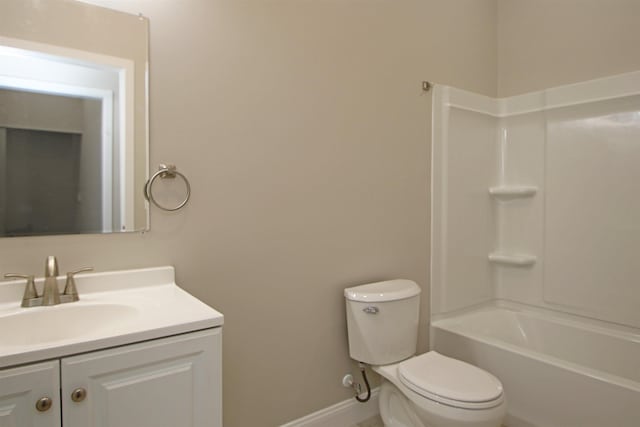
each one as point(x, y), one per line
point(432, 390)
point(427, 390)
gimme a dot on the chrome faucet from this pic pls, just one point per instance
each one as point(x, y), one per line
point(50, 293)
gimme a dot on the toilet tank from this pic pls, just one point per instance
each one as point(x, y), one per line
point(382, 321)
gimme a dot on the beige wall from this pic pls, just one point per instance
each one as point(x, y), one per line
point(305, 134)
point(546, 43)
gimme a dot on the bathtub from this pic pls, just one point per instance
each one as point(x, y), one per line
point(557, 370)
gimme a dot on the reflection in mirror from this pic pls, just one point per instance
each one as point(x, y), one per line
point(73, 119)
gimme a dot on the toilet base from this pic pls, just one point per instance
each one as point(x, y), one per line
point(397, 410)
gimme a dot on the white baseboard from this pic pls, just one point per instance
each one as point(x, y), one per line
point(343, 414)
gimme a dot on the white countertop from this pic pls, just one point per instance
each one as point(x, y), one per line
point(115, 308)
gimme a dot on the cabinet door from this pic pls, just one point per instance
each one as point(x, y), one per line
point(170, 382)
point(21, 389)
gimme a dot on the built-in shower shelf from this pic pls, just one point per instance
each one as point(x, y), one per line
point(513, 191)
point(513, 259)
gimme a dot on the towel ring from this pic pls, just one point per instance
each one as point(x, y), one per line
point(166, 171)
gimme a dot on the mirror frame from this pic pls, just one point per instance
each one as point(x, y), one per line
point(32, 25)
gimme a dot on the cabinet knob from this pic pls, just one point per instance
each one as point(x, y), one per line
point(79, 394)
point(43, 404)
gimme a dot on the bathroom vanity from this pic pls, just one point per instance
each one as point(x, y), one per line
point(136, 350)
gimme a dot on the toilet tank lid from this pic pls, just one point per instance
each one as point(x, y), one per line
point(389, 290)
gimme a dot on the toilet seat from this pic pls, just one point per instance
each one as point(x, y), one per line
point(450, 381)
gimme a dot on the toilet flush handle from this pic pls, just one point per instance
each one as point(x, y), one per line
point(371, 309)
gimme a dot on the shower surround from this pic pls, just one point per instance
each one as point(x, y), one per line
point(535, 246)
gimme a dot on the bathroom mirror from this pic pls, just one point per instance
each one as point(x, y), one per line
point(73, 119)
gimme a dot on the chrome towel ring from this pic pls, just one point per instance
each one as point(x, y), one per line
point(166, 171)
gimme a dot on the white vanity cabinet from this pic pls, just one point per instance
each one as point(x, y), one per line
point(135, 351)
point(167, 382)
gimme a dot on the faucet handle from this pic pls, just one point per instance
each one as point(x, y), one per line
point(30, 292)
point(17, 276)
point(81, 270)
point(70, 285)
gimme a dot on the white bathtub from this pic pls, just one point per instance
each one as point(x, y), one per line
point(558, 370)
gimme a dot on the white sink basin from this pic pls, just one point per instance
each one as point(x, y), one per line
point(44, 325)
point(115, 308)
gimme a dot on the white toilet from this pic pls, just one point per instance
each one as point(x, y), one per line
point(428, 390)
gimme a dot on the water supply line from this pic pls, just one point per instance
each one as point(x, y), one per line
point(366, 382)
